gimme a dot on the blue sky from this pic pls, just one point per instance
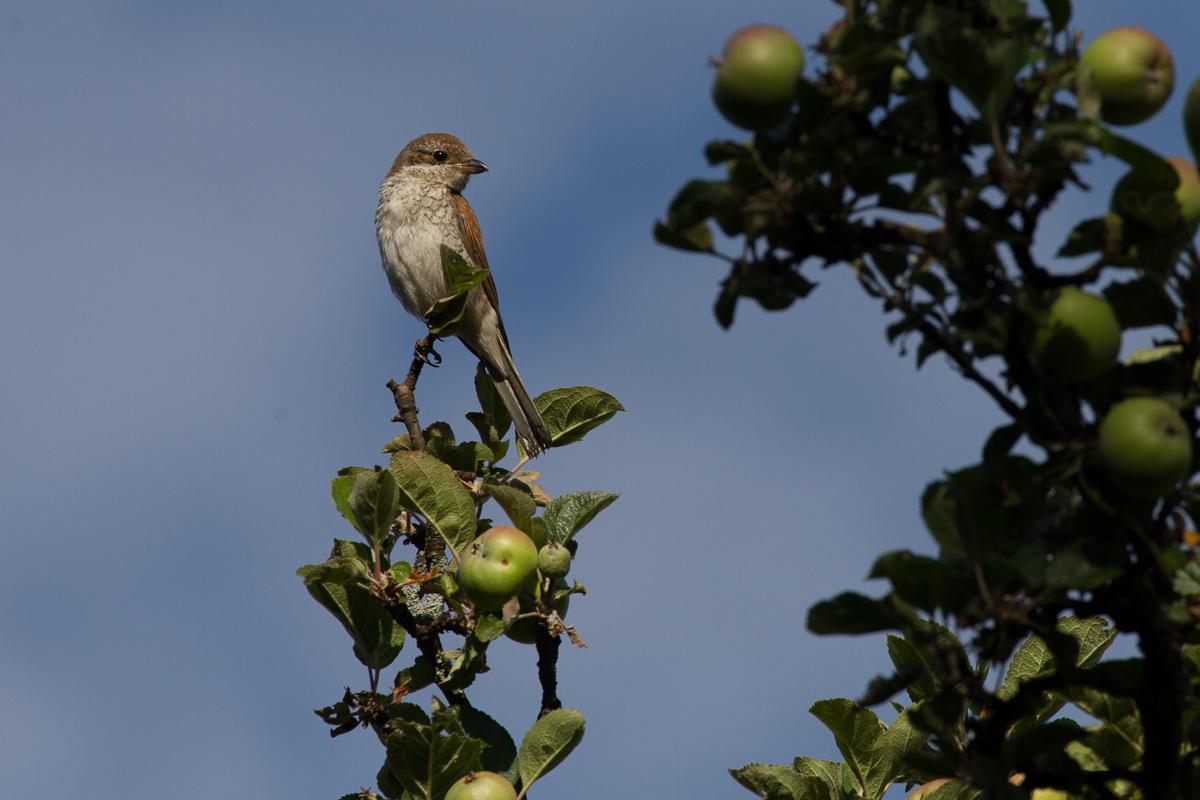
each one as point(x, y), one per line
point(195, 332)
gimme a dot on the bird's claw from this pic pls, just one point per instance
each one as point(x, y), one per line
point(425, 352)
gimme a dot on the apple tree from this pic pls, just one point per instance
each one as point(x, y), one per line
point(428, 577)
point(921, 151)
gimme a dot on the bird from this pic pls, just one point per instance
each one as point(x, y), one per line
point(421, 209)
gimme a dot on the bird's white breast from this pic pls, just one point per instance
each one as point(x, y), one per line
point(414, 219)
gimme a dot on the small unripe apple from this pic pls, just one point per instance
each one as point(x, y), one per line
point(1133, 72)
point(1145, 446)
point(756, 81)
point(554, 560)
point(1079, 337)
point(482, 786)
point(498, 563)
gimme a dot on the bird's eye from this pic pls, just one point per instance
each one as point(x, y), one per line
point(439, 155)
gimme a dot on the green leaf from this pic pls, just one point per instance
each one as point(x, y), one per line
point(835, 775)
point(516, 499)
point(1060, 13)
point(971, 512)
point(924, 681)
point(1088, 236)
point(548, 742)
point(1109, 709)
point(1029, 742)
point(376, 635)
point(337, 715)
point(1033, 657)
point(1000, 442)
point(853, 613)
point(462, 666)
point(461, 276)
point(924, 582)
point(860, 738)
point(397, 443)
point(1141, 303)
point(983, 64)
point(567, 515)
point(780, 782)
point(1187, 579)
point(1094, 635)
point(1153, 169)
point(368, 501)
point(1119, 738)
point(718, 151)
point(1071, 569)
point(344, 570)
point(428, 758)
point(414, 678)
point(391, 788)
point(488, 627)
point(500, 755)
point(572, 411)
point(1008, 10)
point(890, 760)
point(461, 456)
point(725, 305)
point(699, 200)
point(429, 488)
point(696, 238)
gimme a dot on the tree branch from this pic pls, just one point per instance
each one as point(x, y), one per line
point(547, 650)
point(404, 393)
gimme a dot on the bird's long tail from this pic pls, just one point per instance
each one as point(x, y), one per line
point(531, 428)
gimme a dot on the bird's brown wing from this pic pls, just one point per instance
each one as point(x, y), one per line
point(472, 239)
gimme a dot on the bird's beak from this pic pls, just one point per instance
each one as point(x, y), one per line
point(474, 166)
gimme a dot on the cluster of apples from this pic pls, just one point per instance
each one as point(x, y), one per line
point(1144, 444)
point(1132, 72)
point(503, 563)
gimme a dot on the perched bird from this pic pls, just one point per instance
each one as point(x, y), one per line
point(421, 208)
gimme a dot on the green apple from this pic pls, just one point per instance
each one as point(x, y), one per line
point(525, 630)
point(1079, 337)
point(1145, 446)
point(1133, 72)
point(554, 560)
point(482, 786)
point(756, 81)
point(1048, 794)
point(498, 563)
point(1191, 118)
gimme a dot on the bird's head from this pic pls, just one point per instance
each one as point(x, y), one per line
point(438, 158)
